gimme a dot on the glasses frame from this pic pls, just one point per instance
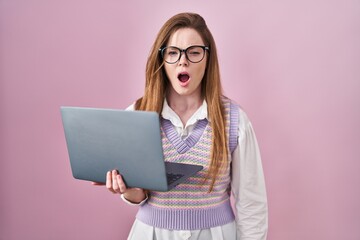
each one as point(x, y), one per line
point(162, 50)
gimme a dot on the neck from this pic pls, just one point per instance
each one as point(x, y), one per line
point(184, 106)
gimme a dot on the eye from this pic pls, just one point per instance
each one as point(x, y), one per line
point(194, 52)
point(172, 53)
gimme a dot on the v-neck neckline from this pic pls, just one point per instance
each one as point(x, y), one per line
point(183, 145)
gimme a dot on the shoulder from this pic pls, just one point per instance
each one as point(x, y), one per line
point(238, 113)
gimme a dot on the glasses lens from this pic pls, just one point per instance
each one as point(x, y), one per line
point(195, 54)
point(171, 54)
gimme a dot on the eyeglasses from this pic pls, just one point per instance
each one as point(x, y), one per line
point(172, 54)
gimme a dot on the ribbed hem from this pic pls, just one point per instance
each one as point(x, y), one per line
point(188, 219)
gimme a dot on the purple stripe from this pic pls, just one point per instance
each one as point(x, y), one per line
point(186, 219)
point(234, 124)
point(197, 132)
point(173, 137)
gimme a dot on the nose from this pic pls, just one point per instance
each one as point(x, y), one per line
point(183, 59)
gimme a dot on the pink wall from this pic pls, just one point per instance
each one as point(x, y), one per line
point(294, 67)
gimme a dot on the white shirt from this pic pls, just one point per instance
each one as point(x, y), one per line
point(247, 187)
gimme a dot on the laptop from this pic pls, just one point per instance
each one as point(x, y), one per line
point(99, 140)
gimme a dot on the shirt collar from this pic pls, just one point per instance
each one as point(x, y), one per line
point(169, 114)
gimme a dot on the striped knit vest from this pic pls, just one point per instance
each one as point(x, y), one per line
point(189, 206)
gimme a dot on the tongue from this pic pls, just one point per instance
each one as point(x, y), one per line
point(183, 77)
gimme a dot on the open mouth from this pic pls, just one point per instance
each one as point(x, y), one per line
point(183, 77)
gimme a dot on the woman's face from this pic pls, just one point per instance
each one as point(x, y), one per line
point(185, 76)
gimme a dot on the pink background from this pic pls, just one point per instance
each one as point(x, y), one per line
point(294, 67)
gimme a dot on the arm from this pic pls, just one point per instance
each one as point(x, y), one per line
point(248, 185)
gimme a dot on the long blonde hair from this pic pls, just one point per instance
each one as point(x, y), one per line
point(157, 83)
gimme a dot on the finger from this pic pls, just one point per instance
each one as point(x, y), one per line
point(97, 183)
point(115, 185)
point(109, 181)
point(121, 183)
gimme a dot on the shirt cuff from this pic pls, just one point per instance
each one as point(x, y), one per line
point(134, 204)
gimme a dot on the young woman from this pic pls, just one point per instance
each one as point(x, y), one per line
point(199, 126)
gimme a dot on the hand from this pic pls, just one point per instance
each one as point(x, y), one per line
point(115, 184)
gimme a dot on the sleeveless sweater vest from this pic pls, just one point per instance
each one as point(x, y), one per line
point(189, 206)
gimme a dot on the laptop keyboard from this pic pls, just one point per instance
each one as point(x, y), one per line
point(171, 177)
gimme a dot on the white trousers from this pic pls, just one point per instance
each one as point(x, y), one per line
point(143, 231)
